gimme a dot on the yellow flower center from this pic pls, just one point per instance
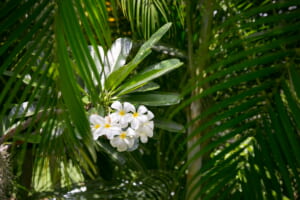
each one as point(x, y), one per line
point(97, 126)
point(122, 112)
point(107, 125)
point(135, 114)
point(123, 135)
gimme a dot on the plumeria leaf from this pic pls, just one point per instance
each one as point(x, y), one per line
point(152, 73)
point(119, 51)
point(153, 99)
point(98, 56)
point(147, 87)
point(116, 77)
point(113, 59)
point(169, 125)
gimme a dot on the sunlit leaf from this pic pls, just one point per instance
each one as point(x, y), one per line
point(154, 72)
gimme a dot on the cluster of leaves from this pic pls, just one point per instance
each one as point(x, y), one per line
point(58, 79)
point(240, 91)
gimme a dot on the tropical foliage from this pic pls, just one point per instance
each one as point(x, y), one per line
point(221, 78)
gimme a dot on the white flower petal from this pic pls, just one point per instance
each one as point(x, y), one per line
point(129, 142)
point(115, 141)
point(149, 132)
point(115, 117)
point(111, 132)
point(144, 139)
point(135, 145)
point(118, 143)
point(123, 122)
point(143, 118)
point(96, 119)
point(128, 117)
point(131, 132)
point(122, 147)
point(97, 133)
point(135, 123)
point(142, 109)
point(144, 132)
point(149, 124)
point(128, 107)
point(117, 105)
point(150, 115)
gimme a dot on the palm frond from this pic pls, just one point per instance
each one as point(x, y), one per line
point(155, 185)
point(145, 16)
point(45, 56)
point(250, 133)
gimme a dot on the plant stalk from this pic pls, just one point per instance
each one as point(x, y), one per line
point(198, 60)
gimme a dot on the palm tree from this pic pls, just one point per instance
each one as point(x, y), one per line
point(242, 99)
point(239, 88)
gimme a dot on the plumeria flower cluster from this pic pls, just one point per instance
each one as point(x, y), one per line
point(125, 126)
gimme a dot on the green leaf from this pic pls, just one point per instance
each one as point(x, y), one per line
point(153, 72)
point(68, 83)
point(294, 107)
point(35, 139)
point(147, 87)
point(153, 99)
point(294, 76)
point(169, 125)
point(145, 16)
point(287, 126)
point(116, 77)
point(113, 59)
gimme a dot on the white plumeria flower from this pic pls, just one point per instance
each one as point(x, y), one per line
point(125, 127)
point(145, 131)
point(110, 128)
point(97, 123)
point(139, 117)
point(124, 140)
point(122, 115)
